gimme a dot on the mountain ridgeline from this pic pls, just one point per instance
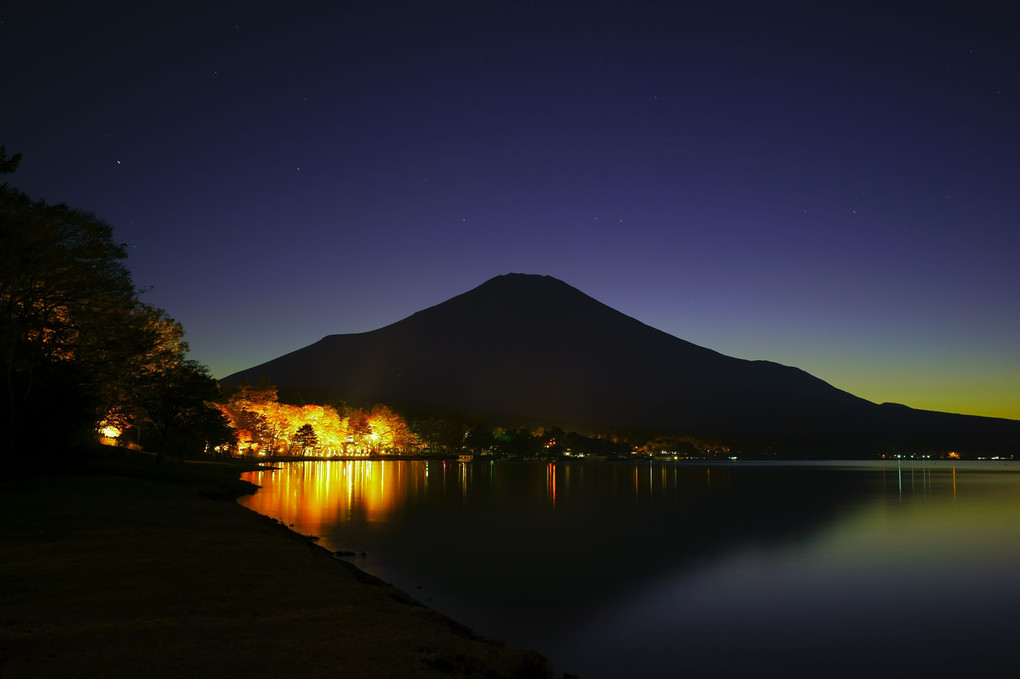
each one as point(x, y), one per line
point(533, 350)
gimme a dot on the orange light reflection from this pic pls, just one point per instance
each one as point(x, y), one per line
point(311, 495)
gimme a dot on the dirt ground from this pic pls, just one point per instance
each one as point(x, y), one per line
point(125, 568)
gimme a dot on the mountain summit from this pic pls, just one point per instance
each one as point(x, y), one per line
point(533, 349)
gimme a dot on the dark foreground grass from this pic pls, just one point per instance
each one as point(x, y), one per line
point(119, 567)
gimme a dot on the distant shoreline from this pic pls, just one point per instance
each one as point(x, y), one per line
point(747, 462)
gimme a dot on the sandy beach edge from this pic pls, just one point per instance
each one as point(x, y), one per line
point(115, 566)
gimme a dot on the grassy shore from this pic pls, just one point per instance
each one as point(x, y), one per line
point(118, 567)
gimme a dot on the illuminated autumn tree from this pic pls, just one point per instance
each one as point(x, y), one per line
point(359, 431)
point(248, 427)
point(160, 349)
point(280, 422)
point(267, 426)
point(389, 431)
point(274, 428)
point(246, 410)
point(330, 428)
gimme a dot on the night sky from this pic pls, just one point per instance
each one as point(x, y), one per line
point(830, 185)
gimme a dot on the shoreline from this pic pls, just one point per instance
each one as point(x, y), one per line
point(121, 567)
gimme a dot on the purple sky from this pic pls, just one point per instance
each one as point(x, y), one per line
point(827, 185)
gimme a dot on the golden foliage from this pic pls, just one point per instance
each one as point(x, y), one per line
point(267, 427)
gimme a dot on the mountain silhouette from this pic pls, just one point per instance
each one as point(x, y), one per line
point(532, 349)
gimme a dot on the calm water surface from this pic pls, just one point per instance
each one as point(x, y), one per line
point(657, 569)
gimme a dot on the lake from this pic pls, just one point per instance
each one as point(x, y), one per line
point(651, 569)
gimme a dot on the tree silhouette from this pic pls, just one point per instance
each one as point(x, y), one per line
point(480, 439)
point(305, 438)
point(76, 343)
point(8, 165)
point(176, 400)
point(68, 327)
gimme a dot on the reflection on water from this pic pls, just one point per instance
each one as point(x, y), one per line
point(312, 495)
point(639, 569)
